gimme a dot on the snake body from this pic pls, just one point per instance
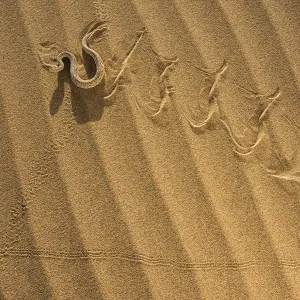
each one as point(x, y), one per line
point(82, 83)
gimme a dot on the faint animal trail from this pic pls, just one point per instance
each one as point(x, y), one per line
point(18, 212)
point(288, 169)
point(19, 209)
point(147, 260)
point(62, 136)
point(15, 223)
point(255, 123)
point(159, 91)
point(52, 50)
point(211, 96)
point(41, 172)
point(66, 127)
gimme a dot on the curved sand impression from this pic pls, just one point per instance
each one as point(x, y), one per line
point(136, 204)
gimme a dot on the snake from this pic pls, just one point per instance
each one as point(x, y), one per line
point(77, 80)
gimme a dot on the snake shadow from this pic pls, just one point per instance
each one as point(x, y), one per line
point(87, 104)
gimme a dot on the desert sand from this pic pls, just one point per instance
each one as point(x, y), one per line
point(176, 175)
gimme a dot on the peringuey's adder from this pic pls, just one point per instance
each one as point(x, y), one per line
point(82, 83)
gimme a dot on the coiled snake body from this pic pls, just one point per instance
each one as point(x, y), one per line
point(77, 80)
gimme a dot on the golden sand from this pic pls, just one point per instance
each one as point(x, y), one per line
point(176, 177)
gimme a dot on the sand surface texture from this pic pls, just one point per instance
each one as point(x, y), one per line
point(170, 169)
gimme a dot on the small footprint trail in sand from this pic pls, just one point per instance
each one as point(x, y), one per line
point(41, 174)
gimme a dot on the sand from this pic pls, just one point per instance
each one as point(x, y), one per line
point(183, 183)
